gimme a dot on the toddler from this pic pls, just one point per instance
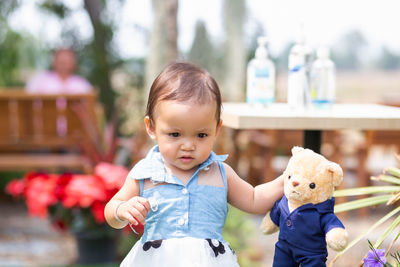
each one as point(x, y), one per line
point(180, 191)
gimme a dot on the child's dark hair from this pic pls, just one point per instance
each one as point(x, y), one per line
point(184, 81)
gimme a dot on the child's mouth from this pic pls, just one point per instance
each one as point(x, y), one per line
point(186, 159)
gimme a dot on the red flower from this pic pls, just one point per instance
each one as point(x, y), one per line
point(62, 183)
point(113, 175)
point(39, 194)
point(98, 211)
point(59, 195)
point(83, 190)
point(16, 187)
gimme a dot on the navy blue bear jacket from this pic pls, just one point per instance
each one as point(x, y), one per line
point(306, 227)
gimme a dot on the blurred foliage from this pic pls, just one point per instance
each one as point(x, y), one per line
point(201, 43)
point(126, 242)
point(56, 7)
point(388, 60)
point(5, 178)
point(16, 49)
point(238, 232)
point(349, 51)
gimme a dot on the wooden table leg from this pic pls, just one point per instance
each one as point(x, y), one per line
point(312, 140)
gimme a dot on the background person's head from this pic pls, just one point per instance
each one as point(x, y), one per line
point(64, 62)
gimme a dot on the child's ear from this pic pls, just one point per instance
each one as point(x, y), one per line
point(218, 127)
point(150, 127)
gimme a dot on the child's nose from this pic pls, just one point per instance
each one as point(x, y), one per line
point(294, 183)
point(188, 145)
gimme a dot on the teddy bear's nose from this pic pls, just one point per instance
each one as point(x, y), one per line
point(294, 183)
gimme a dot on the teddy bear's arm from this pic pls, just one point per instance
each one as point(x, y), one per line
point(268, 226)
point(337, 238)
point(336, 235)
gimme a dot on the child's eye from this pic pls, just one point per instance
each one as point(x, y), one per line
point(174, 134)
point(202, 135)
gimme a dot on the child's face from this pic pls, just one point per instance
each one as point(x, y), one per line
point(185, 132)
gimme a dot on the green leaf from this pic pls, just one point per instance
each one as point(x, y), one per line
point(394, 171)
point(360, 203)
point(388, 230)
point(365, 190)
point(358, 238)
point(386, 178)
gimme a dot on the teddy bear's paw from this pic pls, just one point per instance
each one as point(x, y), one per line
point(267, 225)
point(337, 238)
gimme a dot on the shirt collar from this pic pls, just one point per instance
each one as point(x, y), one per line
point(152, 166)
point(323, 207)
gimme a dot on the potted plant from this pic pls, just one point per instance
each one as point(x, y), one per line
point(75, 202)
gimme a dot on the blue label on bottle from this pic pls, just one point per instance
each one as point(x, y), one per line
point(322, 103)
point(262, 73)
point(296, 68)
point(264, 101)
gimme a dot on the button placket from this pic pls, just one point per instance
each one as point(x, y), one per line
point(153, 204)
point(181, 221)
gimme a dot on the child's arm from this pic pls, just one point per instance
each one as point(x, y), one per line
point(259, 199)
point(127, 205)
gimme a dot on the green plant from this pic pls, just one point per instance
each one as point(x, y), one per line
point(388, 194)
point(71, 201)
point(237, 232)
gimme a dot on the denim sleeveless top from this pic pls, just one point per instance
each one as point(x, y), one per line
point(195, 210)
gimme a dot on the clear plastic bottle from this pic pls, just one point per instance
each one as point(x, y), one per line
point(260, 89)
point(323, 75)
point(298, 95)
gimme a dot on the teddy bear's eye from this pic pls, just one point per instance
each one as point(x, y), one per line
point(289, 177)
point(312, 185)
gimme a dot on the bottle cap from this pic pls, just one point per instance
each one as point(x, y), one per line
point(261, 51)
point(262, 40)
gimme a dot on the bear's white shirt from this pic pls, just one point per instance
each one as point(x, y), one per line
point(291, 209)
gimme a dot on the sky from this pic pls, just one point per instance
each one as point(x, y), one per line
point(324, 20)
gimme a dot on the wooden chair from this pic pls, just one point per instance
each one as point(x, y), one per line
point(375, 138)
point(41, 131)
point(265, 147)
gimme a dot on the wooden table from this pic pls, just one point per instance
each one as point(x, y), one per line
point(313, 121)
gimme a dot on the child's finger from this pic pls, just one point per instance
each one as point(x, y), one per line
point(137, 216)
point(131, 219)
point(144, 202)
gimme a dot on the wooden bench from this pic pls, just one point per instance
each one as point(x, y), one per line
point(46, 132)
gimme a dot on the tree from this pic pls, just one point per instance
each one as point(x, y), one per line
point(101, 45)
point(388, 60)
point(202, 43)
point(348, 50)
point(163, 40)
point(17, 50)
point(234, 20)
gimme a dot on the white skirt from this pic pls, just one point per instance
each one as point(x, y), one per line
point(181, 252)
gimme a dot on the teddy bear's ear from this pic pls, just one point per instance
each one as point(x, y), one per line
point(337, 173)
point(297, 149)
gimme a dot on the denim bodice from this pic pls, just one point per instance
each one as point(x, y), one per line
point(178, 210)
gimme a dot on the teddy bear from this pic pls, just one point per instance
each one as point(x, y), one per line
point(304, 215)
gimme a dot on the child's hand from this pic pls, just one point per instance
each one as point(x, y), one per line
point(134, 210)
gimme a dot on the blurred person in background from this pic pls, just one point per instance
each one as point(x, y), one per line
point(61, 79)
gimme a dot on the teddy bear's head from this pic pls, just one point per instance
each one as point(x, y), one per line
point(310, 178)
